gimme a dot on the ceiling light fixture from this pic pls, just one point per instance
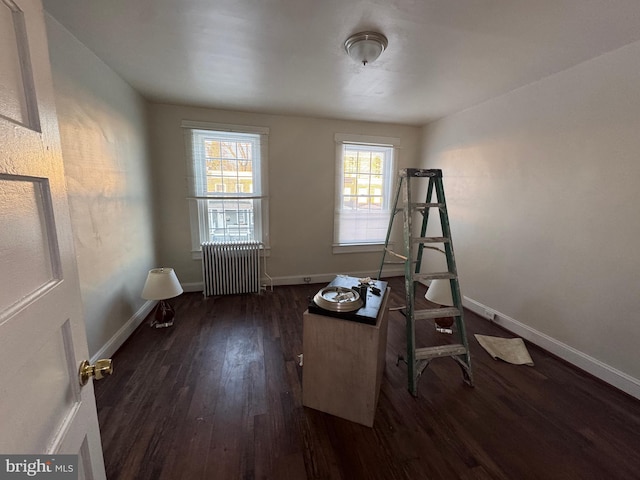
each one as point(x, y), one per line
point(365, 47)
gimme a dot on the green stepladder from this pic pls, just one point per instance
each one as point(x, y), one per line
point(415, 243)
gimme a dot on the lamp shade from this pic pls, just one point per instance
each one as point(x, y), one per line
point(439, 292)
point(162, 283)
point(365, 47)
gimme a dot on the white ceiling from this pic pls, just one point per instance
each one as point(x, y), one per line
point(287, 56)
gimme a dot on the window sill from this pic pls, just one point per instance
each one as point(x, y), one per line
point(359, 248)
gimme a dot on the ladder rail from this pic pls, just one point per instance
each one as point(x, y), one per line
point(409, 287)
point(451, 266)
point(390, 227)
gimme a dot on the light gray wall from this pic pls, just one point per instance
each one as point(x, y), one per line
point(104, 146)
point(543, 186)
point(302, 158)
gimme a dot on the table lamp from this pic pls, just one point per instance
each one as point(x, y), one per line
point(162, 284)
point(439, 292)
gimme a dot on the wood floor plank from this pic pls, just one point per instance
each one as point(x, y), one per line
point(219, 396)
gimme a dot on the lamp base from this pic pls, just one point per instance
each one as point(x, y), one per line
point(163, 315)
point(444, 325)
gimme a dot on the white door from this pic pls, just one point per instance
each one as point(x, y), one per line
point(43, 409)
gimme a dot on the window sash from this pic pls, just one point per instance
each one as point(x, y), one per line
point(363, 212)
point(207, 182)
point(231, 220)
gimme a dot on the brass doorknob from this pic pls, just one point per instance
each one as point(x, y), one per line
point(102, 367)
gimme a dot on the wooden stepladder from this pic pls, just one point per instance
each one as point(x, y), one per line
point(418, 359)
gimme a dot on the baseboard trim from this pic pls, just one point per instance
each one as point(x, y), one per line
point(193, 287)
point(115, 342)
point(593, 366)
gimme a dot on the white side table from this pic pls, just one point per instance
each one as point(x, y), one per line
point(343, 364)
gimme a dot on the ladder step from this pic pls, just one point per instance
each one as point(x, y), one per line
point(399, 262)
point(424, 206)
point(436, 313)
point(440, 351)
point(430, 239)
point(434, 276)
point(420, 172)
point(420, 206)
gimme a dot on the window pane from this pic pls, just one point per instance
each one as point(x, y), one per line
point(349, 202)
point(231, 220)
point(229, 163)
point(350, 182)
point(364, 162)
point(363, 184)
point(215, 184)
point(212, 148)
point(377, 163)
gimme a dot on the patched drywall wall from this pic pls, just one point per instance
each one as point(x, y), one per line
point(104, 145)
point(543, 186)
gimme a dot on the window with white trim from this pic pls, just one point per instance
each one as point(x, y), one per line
point(365, 171)
point(227, 183)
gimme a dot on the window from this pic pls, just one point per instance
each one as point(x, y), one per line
point(227, 183)
point(365, 167)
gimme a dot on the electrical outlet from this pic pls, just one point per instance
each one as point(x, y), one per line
point(307, 279)
point(489, 314)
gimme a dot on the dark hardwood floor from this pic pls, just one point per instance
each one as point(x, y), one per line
point(218, 396)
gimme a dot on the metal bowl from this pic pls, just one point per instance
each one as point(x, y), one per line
point(338, 299)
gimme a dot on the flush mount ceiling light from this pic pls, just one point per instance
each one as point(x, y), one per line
point(365, 47)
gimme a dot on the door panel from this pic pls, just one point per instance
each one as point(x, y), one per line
point(48, 368)
point(17, 95)
point(30, 257)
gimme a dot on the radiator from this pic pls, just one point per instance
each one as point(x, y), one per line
point(229, 268)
